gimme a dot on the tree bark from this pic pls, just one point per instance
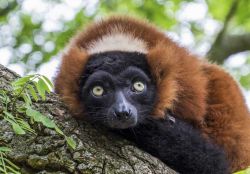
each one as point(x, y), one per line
point(98, 150)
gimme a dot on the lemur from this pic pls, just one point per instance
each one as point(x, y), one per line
point(129, 76)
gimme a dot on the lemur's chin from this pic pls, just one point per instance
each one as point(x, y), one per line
point(119, 124)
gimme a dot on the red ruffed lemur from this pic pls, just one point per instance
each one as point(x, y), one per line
point(129, 76)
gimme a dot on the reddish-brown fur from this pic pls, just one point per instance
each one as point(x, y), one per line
point(201, 93)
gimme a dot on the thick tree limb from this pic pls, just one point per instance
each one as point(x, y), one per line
point(98, 151)
point(229, 45)
point(226, 44)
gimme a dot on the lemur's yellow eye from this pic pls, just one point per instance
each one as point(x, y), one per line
point(138, 86)
point(98, 91)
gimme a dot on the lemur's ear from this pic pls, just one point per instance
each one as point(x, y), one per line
point(180, 81)
point(67, 81)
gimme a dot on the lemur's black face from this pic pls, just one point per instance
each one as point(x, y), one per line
point(117, 89)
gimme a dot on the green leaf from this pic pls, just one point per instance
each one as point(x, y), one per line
point(45, 85)
point(48, 122)
point(8, 115)
point(2, 169)
point(3, 93)
point(246, 171)
point(40, 88)
point(5, 98)
point(48, 82)
point(22, 80)
point(13, 166)
point(245, 81)
point(26, 98)
point(58, 130)
point(4, 149)
point(16, 127)
point(17, 90)
point(25, 126)
point(33, 92)
point(12, 170)
point(22, 109)
point(71, 142)
point(38, 117)
point(34, 114)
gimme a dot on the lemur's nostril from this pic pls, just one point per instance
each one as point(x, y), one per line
point(122, 115)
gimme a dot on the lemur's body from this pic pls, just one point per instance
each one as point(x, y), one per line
point(201, 94)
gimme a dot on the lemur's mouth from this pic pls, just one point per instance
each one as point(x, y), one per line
point(125, 123)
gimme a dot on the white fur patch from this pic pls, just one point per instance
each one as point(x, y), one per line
point(117, 42)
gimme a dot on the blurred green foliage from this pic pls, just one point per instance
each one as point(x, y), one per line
point(31, 44)
point(244, 77)
point(220, 8)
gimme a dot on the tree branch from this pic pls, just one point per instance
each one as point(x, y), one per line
point(230, 44)
point(213, 52)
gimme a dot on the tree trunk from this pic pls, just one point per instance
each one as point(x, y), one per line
point(98, 150)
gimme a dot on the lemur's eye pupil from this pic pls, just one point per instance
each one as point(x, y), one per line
point(98, 90)
point(138, 86)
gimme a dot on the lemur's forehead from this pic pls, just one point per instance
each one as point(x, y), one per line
point(115, 62)
point(117, 42)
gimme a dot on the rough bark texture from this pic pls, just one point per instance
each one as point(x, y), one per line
point(98, 151)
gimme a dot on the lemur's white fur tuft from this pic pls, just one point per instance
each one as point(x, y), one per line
point(117, 42)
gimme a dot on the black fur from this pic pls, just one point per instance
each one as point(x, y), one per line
point(114, 62)
point(179, 145)
point(176, 143)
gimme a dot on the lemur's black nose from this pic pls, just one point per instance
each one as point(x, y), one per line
point(123, 115)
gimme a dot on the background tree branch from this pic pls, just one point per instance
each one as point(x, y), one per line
point(98, 151)
point(226, 44)
point(10, 6)
point(229, 45)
